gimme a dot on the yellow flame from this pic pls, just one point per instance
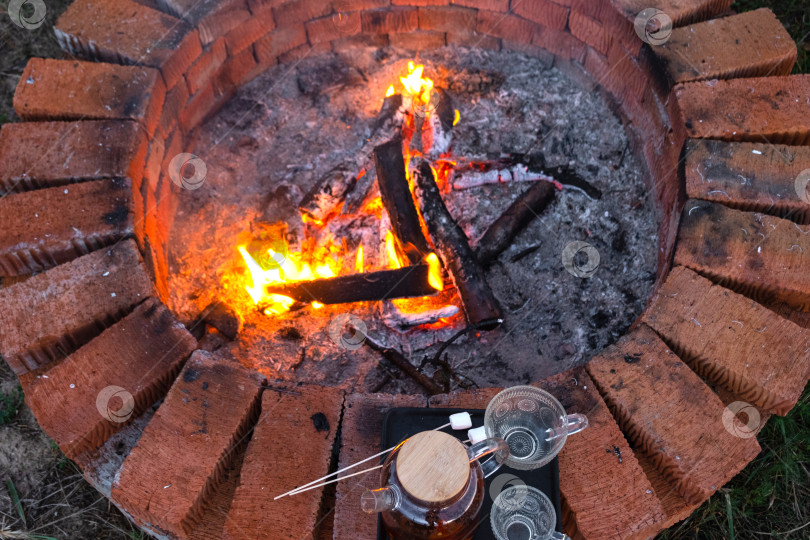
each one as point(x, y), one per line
point(416, 86)
point(316, 305)
point(391, 249)
point(434, 272)
point(390, 91)
point(457, 117)
point(358, 262)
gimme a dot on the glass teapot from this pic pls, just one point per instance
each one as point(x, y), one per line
point(433, 486)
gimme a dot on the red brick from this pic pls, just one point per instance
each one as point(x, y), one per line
point(149, 344)
point(279, 42)
point(241, 68)
point(206, 66)
point(448, 19)
point(731, 340)
point(390, 20)
point(748, 176)
point(360, 437)
point(342, 6)
point(421, 3)
point(209, 408)
point(761, 256)
point(547, 13)
point(501, 6)
point(585, 489)
point(590, 31)
point(69, 89)
point(473, 39)
point(773, 108)
point(51, 226)
point(418, 40)
point(212, 18)
point(274, 465)
point(334, 26)
point(122, 30)
point(175, 102)
point(349, 44)
point(680, 11)
point(749, 44)
point(670, 414)
point(204, 102)
point(245, 35)
point(300, 11)
point(507, 26)
point(562, 44)
point(43, 154)
point(51, 314)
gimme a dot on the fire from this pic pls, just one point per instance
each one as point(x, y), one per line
point(274, 263)
point(391, 250)
point(434, 272)
point(417, 87)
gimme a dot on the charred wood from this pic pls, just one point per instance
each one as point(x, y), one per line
point(405, 282)
point(398, 200)
point(520, 213)
point(452, 247)
point(396, 358)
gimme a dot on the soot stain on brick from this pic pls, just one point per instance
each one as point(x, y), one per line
point(191, 375)
point(117, 216)
point(131, 105)
point(205, 386)
point(320, 422)
point(150, 311)
point(164, 322)
point(634, 358)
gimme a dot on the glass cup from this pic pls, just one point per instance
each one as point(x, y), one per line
point(524, 513)
point(533, 424)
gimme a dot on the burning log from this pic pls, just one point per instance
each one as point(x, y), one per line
point(351, 176)
point(405, 282)
point(398, 200)
point(519, 214)
point(519, 168)
point(433, 125)
point(454, 250)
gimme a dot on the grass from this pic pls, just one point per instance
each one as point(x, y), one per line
point(10, 404)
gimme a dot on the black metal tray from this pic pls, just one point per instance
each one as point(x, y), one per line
point(404, 422)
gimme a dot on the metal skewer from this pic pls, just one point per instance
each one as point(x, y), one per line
point(310, 485)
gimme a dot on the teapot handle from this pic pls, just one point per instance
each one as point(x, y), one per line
point(495, 446)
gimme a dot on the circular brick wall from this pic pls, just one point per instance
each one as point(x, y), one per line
point(711, 108)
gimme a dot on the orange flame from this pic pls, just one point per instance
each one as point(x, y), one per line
point(434, 272)
point(391, 250)
point(416, 86)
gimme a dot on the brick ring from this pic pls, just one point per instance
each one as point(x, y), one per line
point(89, 204)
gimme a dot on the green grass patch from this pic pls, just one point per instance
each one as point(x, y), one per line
point(10, 405)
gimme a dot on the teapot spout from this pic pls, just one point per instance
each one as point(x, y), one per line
point(379, 500)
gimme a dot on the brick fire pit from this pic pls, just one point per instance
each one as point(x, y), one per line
point(91, 207)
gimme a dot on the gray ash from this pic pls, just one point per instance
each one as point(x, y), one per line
point(294, 123)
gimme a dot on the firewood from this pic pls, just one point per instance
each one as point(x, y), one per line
point(433, 125)
point(396, 358)
point(406, 282)
point(519, 214)
point(398, 200)
point(452, 247)
point(334, 187)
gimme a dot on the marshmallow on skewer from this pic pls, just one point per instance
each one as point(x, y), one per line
point(460, 420)
point(476, 435)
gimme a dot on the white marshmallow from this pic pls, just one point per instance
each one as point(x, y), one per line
point(476, 435)
point(460, 420)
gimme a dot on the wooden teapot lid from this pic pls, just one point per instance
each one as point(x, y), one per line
point(433, 466)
